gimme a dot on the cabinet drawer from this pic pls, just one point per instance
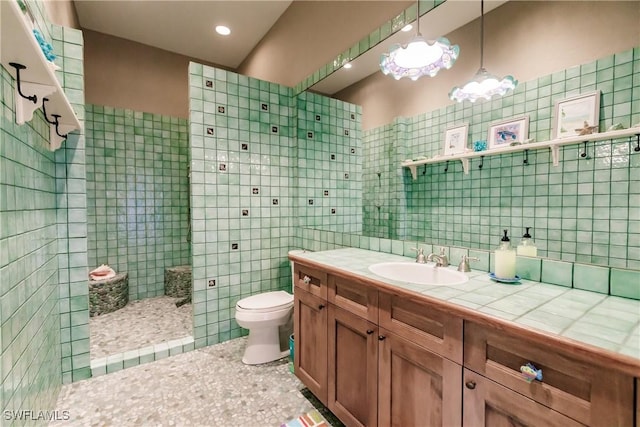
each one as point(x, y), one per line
point(423, 324)
point(359, 299)
point(311, 280)
point(489, 404)
point(590, 394)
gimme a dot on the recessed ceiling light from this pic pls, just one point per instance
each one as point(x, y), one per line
point(407, 27)
point(222, 30)
point(347, 65)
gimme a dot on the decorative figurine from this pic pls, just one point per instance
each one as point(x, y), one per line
point(586, 129)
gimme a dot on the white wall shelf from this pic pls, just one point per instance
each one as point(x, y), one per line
point(554, 145)
point(19, 45)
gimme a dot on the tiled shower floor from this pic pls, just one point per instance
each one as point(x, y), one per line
point(139, 324)
point(205, 387)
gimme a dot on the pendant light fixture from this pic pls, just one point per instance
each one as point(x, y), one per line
point(483, 85)
point(418, 57)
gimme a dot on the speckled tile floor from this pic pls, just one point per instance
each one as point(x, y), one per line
point(205, 387)
point(139, 324)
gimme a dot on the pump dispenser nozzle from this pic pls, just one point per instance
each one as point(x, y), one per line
point(505, 238)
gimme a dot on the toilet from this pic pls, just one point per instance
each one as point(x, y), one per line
point(268, 317)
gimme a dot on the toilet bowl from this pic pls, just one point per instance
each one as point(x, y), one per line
point(264, 315)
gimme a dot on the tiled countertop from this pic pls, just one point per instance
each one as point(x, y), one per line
point(606, 322)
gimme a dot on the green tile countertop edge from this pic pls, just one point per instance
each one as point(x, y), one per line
point(607, 322)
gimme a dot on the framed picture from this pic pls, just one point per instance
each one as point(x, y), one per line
point(578, 115)
point(455, 139)
point(506, 132)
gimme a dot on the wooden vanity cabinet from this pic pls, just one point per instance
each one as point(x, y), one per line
point(310, 330)
point(376, 358)
point(571, 386)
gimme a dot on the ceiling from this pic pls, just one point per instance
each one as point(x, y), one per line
point(185, 27)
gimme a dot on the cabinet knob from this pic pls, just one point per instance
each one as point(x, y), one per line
point(321, 306)
point(369, 331)
point(381, 337)
point(470, 385)
point(306, 280)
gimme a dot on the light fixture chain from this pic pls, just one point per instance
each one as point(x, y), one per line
point(481, 34)
point(418, 18)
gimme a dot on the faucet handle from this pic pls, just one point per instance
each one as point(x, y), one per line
point(464, 263)
point(420, 258)
point(443, 257)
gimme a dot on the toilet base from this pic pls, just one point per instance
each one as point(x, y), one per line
point(263, 346)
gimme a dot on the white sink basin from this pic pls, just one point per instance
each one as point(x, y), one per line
point(420, 274)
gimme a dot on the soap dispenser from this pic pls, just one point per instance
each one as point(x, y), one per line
point(527, 247)
point(505, 259)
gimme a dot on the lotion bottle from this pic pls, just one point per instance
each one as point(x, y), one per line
point(527, 247)
point(505, 259)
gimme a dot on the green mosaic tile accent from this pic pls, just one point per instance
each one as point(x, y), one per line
point(242, 147)
point(137, 195)
point(585, 210)
point(329, 172)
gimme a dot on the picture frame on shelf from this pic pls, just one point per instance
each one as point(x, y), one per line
point(455, 139)
point(577, 115)
point(507, 132)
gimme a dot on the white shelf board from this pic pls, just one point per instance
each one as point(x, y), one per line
point(553, 144)
point(18, 44)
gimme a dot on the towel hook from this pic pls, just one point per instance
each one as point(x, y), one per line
point(424, 171)
point(18, 67)
point(44, 111)
point(57, 119)
point(481, 162)
point(584, 150)
point(526, 157)
point(446, 168)
point(637, 147)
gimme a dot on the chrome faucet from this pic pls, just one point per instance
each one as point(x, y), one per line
point(440, 260)
point(464, 263)
point(420, 258)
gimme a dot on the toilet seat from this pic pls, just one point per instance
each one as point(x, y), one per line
point(266, 302)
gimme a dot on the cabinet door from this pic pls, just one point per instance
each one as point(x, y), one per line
point(353, 368)
point(417, 387)
point(310, 332)
point(423, 323)
point(487, 403)
point(592, 394)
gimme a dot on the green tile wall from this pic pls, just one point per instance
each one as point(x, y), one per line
point(383, 206)
point(71, 204)
point(137, 195)
point(41, 208)
point(29, 316)
point(242, 151)
point(329, 166)
point(584, 210)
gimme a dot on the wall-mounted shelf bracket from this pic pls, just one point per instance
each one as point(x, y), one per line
point(58, 133)
point(555, 154)
point(25, 107)
point(465, 165)
point(414, 171)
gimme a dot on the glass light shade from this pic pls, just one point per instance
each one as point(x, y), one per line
point(419, 58)
point(483, 86)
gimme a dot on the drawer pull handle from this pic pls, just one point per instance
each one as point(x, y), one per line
point(470, 385)
point(369, 331)
point(306, 280)
point(381, 337)
point(530, 372)
point(321, 306)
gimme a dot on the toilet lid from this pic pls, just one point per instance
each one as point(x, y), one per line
point(266, 300)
